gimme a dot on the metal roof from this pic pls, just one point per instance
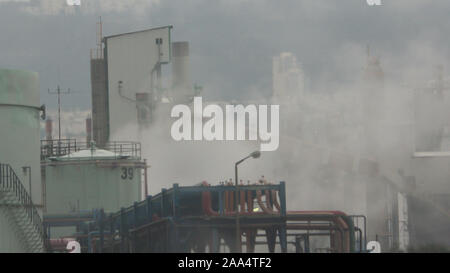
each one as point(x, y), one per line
point(133, 32)
point(90, 154)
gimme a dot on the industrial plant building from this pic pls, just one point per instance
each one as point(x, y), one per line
point(95, 192)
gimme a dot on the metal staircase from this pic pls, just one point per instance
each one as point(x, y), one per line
point(16, 202)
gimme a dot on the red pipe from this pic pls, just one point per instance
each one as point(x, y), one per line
point(268, 201)
point(242, 197)
point(226, 208)
point(207, 209)
point(275, 200)
point(265, 209)
point(60, 243)
point(336, 218)
point(249, 201)
point(317, 212)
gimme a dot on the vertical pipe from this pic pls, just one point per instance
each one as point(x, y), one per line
point(298, 247)
point(122, 230)
point(88, 131)
point(215, 245)
point(283, 238)
point(242, 194)
point(145, 178)
point(101, 227)
point(135, 220)
point(27, 170)
point(163, 193)
point(175, 201)
point(226, 201)
point(181, 83)
point(249, 201)
point(282, 194)
point(271, 239)
point(221, 193)
point(148, 200)
point(135, 224)
point(112, 231)
point(307, 243)
point(48, 129)
point(238, 228)
point(59, 114)
point(89, 239)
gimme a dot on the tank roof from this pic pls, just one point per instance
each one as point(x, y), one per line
point(90, 154)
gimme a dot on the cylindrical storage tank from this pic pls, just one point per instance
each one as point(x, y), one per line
point(91, 179)
point(19, 147)
point(20, 127)
point(181, 82)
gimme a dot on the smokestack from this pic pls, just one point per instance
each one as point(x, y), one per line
point(48, 129)
point(181, 81)
point(88, 130)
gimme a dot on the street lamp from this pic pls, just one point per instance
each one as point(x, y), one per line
point(255, 154)
point(24, 169)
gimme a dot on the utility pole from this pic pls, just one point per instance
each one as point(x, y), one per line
point(59, 92)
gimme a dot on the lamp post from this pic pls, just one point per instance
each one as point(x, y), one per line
point(24, 169)
point(255, 154)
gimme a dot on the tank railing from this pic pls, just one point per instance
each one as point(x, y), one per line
point(10, 181)
point(57, 148)
point(124, 148)
point(60, 147)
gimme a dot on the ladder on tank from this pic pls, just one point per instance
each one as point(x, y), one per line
point(16, 204)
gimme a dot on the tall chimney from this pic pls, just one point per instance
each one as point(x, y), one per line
point(48, 129)
point(181, 82)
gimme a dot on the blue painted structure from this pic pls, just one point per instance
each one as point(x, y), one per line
point(172, 221)
point(175, 220)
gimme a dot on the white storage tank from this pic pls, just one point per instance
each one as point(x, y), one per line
point(93, 178)
point(20, 127)
point(19, 158)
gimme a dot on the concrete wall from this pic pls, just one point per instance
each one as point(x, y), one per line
point(131, 59)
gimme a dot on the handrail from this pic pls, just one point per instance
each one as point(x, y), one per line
point(62, 147)
point(9, 180)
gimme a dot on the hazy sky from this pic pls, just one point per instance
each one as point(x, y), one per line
point(232, 41)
